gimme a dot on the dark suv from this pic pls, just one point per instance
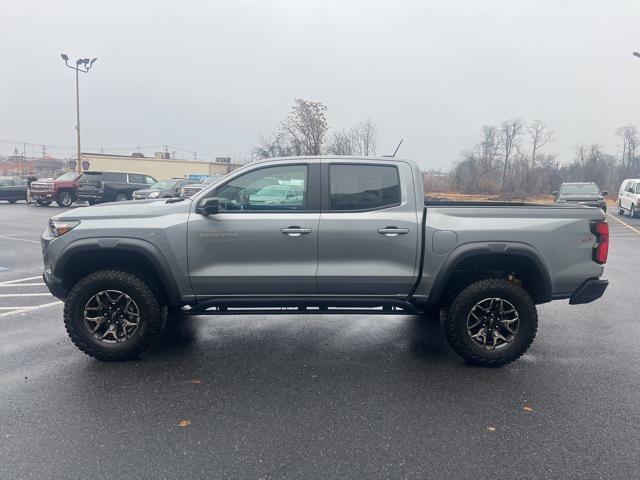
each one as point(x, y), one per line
point(99, 187)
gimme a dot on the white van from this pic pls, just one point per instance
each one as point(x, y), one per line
point(629, 197)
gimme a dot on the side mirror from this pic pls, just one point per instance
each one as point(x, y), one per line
point(208, 206)
point(554, 193)
point(605, 193)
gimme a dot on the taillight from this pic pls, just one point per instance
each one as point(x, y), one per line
point(601, 251)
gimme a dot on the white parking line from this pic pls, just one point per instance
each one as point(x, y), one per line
point(22, 285)
point(4, 295)
point(19, 239)
point(9, 282)
point(18, 310)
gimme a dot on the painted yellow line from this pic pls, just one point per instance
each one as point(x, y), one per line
point(624, 223)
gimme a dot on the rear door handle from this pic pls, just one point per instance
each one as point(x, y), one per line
point(393, 231)
point(295, 231)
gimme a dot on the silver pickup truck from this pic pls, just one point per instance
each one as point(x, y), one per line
point(350, 235)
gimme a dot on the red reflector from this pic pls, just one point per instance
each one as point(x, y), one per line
point(601, 250)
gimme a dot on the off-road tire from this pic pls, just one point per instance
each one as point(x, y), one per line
point(620, 209)
point(153, 314)
point(455, 322)
point(632, 212)
point(65, 199)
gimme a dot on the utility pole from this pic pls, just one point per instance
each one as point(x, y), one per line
point(82, 65)
point(44, 160)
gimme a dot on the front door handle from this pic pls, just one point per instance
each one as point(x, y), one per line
point(393, 231)
point(295, 231)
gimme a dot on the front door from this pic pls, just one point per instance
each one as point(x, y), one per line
point(264, 240)
point(368, 240)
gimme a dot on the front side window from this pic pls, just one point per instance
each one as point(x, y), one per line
point(363, 187)
point(266, 189)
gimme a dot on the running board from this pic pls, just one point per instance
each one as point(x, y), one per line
point(323, 306)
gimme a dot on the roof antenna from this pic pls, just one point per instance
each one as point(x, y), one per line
point(396, 150)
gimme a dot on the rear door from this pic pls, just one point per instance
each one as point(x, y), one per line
point(7, 189)
point(258, 248)
point(368, 240)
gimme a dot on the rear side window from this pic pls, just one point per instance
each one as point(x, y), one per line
point(137, 178)
point(114, 177)
point(363, 187)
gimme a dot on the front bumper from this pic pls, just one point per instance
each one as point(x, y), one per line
point(589, 291)
point(55, 286)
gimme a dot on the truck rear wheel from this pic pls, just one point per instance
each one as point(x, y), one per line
point(65, 199)
point(114, 315)
point(491, 323)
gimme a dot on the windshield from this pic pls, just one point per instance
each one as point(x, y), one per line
point(165, 184)
point(68, 176)
point(580, 189)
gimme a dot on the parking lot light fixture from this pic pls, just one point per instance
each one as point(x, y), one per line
point(82, 65)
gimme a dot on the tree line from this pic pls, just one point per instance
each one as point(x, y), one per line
point(512, 158)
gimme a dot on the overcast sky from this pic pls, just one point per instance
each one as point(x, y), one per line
point(213, 76)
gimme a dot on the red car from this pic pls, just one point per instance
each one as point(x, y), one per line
point(63, 190)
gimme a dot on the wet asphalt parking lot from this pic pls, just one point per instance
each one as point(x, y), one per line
point(317, 396)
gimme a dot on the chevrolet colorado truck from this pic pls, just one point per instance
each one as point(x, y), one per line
point(360, 238)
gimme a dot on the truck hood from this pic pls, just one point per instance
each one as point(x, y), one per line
point(127, 209)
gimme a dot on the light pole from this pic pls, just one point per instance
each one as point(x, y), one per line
point(82, 65)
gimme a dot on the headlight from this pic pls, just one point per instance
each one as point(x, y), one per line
point(154, 194)
point(57, 228)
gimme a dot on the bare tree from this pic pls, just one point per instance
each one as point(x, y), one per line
point(630, 141)
point(510, 132)
point(341, 142)
point(367, 137)
point(306, 126)
point(301, 133)
point(488, 149)
point(539, 136)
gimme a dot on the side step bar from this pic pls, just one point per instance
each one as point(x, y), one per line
point(277, 306)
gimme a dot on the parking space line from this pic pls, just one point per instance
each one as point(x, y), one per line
point(22, 285)
point(9, 282)
point(29, 309)
point(5, 295)
point(624, 223)
point(6, 237)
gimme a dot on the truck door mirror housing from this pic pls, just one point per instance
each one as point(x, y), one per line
point(208, 206)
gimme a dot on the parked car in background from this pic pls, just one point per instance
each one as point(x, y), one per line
point(277, 194)
point(192, 189)
point(584, 193)
point(63, 190)
point(163, 189)
point(13, 189)
point(629, 197)
point(99, 187)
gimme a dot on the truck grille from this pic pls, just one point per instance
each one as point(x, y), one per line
point(41, 187)
point(190, 190)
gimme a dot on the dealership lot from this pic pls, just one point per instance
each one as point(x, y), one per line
point(317, 396)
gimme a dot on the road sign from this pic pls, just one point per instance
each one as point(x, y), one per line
point(85, 165)
point(73, 164)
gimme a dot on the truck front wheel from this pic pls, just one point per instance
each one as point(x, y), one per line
point(64, 199)
point(491, 323)
point(114, 315)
